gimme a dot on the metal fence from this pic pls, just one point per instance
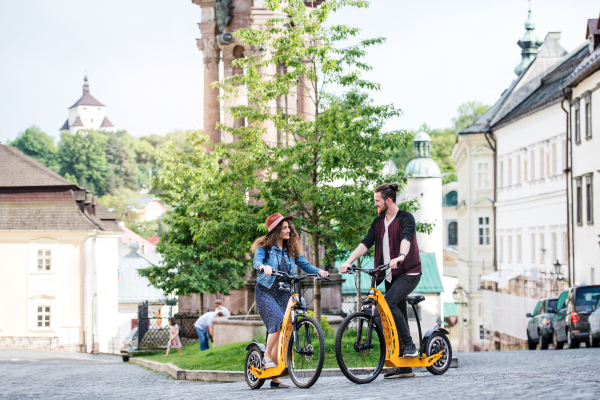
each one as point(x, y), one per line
point(154, 329)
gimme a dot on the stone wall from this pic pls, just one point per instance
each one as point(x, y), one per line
point(37, 343)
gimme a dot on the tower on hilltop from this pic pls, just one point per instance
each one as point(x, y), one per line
point(87, 113)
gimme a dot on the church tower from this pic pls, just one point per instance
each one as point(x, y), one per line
point(87, 113)
point(529, 45)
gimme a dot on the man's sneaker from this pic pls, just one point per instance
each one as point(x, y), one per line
point(410, 351)
point(399, 373)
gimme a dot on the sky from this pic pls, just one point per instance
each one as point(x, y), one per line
point(143, 64)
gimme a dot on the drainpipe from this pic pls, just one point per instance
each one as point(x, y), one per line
point(567, 171)
point(491, 136)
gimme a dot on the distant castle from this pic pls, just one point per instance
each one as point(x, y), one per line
point(87, 113)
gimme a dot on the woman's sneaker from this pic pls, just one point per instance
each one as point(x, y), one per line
point(410, 351)
point(395, 373)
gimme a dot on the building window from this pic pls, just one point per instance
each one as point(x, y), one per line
point(501, 169)
point(518, 170)
point(43, 317)
point(565, 247)
point(519, 257)
point(542, 249)
point(533, 248)
point(577, 131)
point(510, 172)
point(484, 231)
point(564, 155)
point(483, 175)
point(588, 117)
point(43, 260)
point(553, 158)
point(481, 332)
point(501, 248)
point(541, 163)
point(510, 249)
point(451, 198)
point(554, 254)
point(548, 164)
point(452, 234)
point(579, 201)
point(533, 165)
point(525, 175)
point(589, 200)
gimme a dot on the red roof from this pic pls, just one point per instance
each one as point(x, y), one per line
point(106, 124)
point(87, 100)
point(154, 239)
point(130, 236)
point(77, 122)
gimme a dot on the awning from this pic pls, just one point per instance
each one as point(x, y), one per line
point(501, 278)
point(450, 310)
point(430, 280)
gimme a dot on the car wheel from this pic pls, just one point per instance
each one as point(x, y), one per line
point(557, 345)
point(593, 342)
point(543, 342)
point(572, 343)
point(530, 343)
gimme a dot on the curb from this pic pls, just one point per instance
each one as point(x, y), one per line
point(230, 376)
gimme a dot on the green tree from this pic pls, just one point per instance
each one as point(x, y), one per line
point(327, 165)
point(83, 156)
point(123, 203)
point(467, 114)
point(38, 145)
point(195, 263)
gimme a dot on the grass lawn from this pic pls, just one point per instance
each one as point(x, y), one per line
point(228, 357)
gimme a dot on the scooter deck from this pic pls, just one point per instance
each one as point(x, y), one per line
point(275, 372)
point(423, 361)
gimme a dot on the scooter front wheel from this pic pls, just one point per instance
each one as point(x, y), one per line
point(359, 357)
point(439, 342)
point(253, 358)
point(305, 362)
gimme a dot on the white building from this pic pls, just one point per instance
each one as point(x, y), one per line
point(58, 261)
point(87, 113)
point(524, 136)
point(584, 198)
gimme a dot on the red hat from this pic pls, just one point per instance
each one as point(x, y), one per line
point(275, 220)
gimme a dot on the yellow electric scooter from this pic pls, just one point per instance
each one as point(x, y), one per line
point(301, 343)
point(363, 345)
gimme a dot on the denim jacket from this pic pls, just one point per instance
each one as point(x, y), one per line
point(269, 256)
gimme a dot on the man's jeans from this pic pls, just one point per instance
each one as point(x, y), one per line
point(395, 296)
point(203, 338)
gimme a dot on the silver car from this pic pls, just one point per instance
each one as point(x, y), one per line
point(594, 321)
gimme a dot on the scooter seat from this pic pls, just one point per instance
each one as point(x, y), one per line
point(415, 299)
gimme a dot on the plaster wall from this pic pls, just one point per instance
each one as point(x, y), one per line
point(531, 206)
point(91, 117)
point(586, 165)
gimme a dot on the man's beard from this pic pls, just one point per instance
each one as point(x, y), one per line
point(382, 210)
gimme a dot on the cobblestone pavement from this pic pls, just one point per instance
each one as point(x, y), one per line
point(572, 374)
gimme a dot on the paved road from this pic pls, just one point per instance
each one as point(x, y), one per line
point(572, 374)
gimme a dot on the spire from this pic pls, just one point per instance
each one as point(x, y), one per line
point(529, 45)
point(86, 85)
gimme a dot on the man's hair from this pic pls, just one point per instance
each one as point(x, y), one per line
point(219, 314)
point(388, 191)
point(218, 302)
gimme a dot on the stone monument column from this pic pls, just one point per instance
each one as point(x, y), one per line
point(212, 108)
point(230, 53)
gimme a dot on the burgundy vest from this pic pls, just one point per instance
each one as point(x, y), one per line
point(412, 261)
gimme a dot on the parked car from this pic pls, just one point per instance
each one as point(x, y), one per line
point(129, 344)
point(594, 324)
point(539, 327)
point(571, 320)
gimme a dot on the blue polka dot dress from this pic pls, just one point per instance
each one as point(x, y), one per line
point(272, 302)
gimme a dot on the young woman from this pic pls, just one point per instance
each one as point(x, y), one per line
point(174, 341)
point(278, 250)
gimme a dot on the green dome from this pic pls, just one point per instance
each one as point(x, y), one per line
point(423, 168)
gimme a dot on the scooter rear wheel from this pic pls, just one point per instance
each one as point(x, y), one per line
point(439, 342)
point(254, 358)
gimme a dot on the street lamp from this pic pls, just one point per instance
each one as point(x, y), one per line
point(455, 297)
point(557, 271)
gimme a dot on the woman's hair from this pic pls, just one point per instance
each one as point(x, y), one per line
point(172, 321)
point(388, 191)
point(292, 244)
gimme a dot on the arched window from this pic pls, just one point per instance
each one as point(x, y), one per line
point(453, 233)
